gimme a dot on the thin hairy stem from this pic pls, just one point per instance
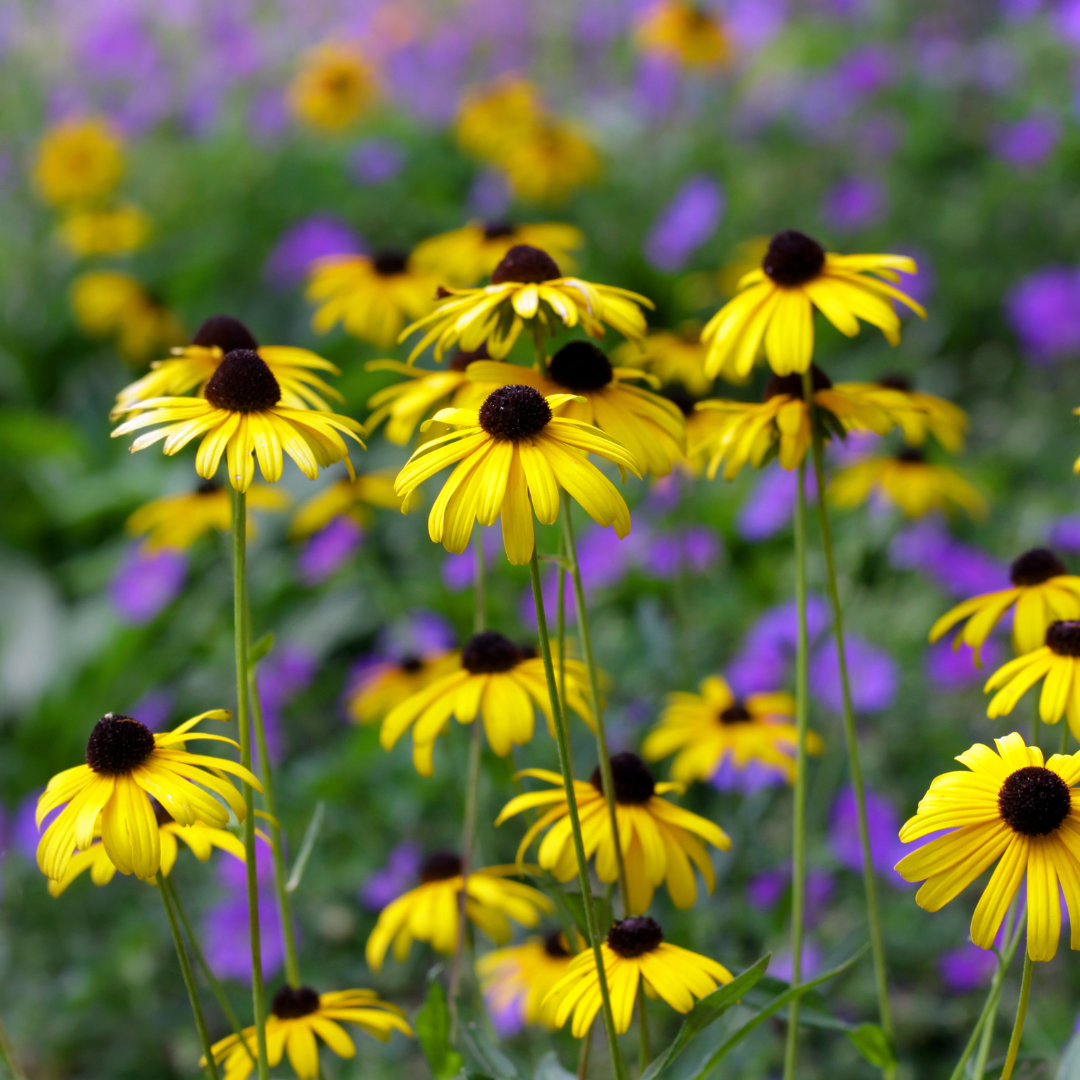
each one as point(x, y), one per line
point(1021, 1015)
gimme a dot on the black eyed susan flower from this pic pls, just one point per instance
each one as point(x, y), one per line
point(346, 497)
point(672, 356)
point(713, 726)
point(1011, 806)
point(297, 1015)
point(492, 118)
point(635, 950)
point(684, 32)
point(386, 684)
point(515, 454)
point(517, 979)
point(78, 161)
point(526, 286)
point(660, 841)
point(553, 159)
point(918, 414)
point(114, 231)
point(430, 911)
point(110, 304)
point(776, 304)
point(1043, 592)
point(334, 85)
point(125, 762)
point(494, 678)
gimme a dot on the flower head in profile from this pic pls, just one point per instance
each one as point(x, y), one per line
point(115, 231)
point(1043, 592)
point(1013, 807)
point(917, 413)
point(125, 762)
point(633, 951)
point(520, 976)
point(661, 842)
point(775, 304)
point(526, 287)
point(297, 1015)
point(514, 455)
point(672, 356)
point(707, 729)
point(430, 911)
point(78, 161)
point(682, 31)
point(111, 304)
point(334, 85)
point(352, 498)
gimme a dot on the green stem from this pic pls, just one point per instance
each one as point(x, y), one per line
point(240, 605)
point(644, 1049)
point(583, 1054)
point(562, 738)
point(560, 622)
point(189, 982)
point(479, 586)
point(7, 1051)
point(1021, 1014)
point(798, 842)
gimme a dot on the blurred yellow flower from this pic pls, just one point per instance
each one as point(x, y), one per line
point(745, 258)
point(105, 232)
point(78, 161)
point(550, 163)
point(918, 414)
point(108, 303)
point(673, 356)
point(494, 117)
point(334, 85)
point(385, 684)
point(346, 497)
point(684, 32)
point(520, 976)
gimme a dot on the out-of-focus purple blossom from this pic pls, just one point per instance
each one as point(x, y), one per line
point(507, 1017)
point(822, 106)
point(656, 86)
point(301, 244)
point(1028, 142)
point(395, 878)
point(154, 708)
point(966, 968)
point(765, 890)
point(751, 777)
point(855, 203)
point(1066, 20)
point(812, 959)
point(847, 451)
point(883, 824)
point(225, 930)
point(600, 22)
point(752, 24)
point(866, 70)
point(761, 664)
point(958, 568)
point(325, 552)
point(146, 583)
point(428, 75)
point(770, 505)
point(1019, 10)
point(459, 571)
point(287, 671)
point(23, 832)
point(940, 57)
point(881, 135)
point(375, 161)
point(692, 550)
point(489, 196)
point(995, 66)
point(953, 669)
point(688, 220)
point(115, 45)
point(1044, 311)
point(267, 114)
point(666, 492)
point(874, 676)
point(1065, 534)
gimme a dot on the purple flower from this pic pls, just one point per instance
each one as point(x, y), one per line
point(770, 505)
point(301, 244)
point(325, 552)
point(24, 833)
point(883, 825)
point(812, 959)
point(1029, 142)
point(919, 286)
point(966, 968)
point(489, 196)
point(752, 24)
point(688, 220)
point(459, 571)
point(953, 669)
point(146, 583)
point(507, 1018)
point(154, 708)
point(281, 676)
point(395, 878)
point(1066, 20)
point(873, 673)
point(267, 114)
point(866, 69)
point(225, 930)
point(666, 492)
point(428, 76)
point(1044, 311)
point(854, 204)
point(376, 160)
point(881, 135)
point(693, 551)
point(959, 569)
point(1019, 10)
point(1065, 534)
point(762, 662)
point(766, 889)
point(751, 777)
point(656, 86)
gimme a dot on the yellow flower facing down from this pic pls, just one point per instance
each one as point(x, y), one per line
point(78, 161)
point(526, 287)
point(1014, 807)
point(704, 730)
point(918, 414)
point(550, 163)
point(634, 951)
point(297, 1016)
point(673, 357)
point(383, 685)
point(125, 762)
point(492, 678)
point(495, 117)
point(684, 32)
point(108, 303)
point(660, 842)
point(334, 85)
point(775, 305)
point(105, 232)
point(1043, 592)
point(515, 454)
point(430, 911)
point(520, 976)
point(350, 498)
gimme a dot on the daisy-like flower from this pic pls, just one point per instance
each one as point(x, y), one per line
point(1014, 806)
point(384, 685)
point(918, 487)
point(526, 286)
point(708, 728)
point(297, 1015)
point(464, 256)
point(104, 232)
point(672, 356)
point(430, 911)
point(520, 976)
point(109, 304)
point(918, 414)
point(371, 296)
point(346, 498)
point(494, 117)
point(514, 455)
point(648, 425)
point(125, 762)
point(243, 416)
point(660, 841)
point(634, 950)
point(684, 32)
point(332, 88)
point(550, 162)
point(494, 678)
point(1043, 592)
point(775, 305)
point(78, 161)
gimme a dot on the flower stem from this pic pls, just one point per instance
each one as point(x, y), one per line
point(562, 738)
point(798, 842)
point(240, 604)
point(189, 980)
point(560, 623)
point(7, 1052)
point(583, 1054)
point(1021, 1014)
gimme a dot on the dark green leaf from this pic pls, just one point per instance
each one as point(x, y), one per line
point(873, 1044)
point(433, 1032)
point(577, 909)
point(260, 648)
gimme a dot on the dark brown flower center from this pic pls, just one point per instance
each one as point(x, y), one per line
point(440, 866)
point(895, 381)
point(736, 714)
point(911, 455)
point(489, 653)
point(390, 263)
point(463, 359)
point(634, 936)
point(683, 399)
point(634, 784)
point(514, 412)
point(1036, 566)
point(793, 258)
point(1063, 638)
point(208, 487)
point(227, 333)
point(580, 367)
point(163, 816)
point(292, 1002)
point(496, 230)
point(243, 383)
point(792, 384)
point(555, 945)
point(1034, 801)
point(527, 265)
point(411, 664)
point(118, 744)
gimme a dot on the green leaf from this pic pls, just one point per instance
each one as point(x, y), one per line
point(601, 906)
point(873, 1044)
point(260, 648)
point(433, 1030)
point(704, 1013)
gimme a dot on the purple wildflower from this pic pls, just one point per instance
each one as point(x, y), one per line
point(509, 1019)
point(24, 832)
point(692, 550)
point(376, 160)
point(766, 890)
point(1066, 20)
point(325, 552)
point(225, 930)
point(1028, 142)
point(953, 669)
point(958, 568)
point(656, 86)
point(752, 24)
point(812, 960)
point(762, 662)
point(281, 676)
point(966, 968)
point(489, 196)
point(427, 76)
point(147, 582)
point(866, 69)
point(395, 878)
point(883, 824)
point(751, 777)
point(919, 286)
point(770, 505)
point(1019, 10)
point(301, 244)
point(1065, 534)
point(267, 114)
point(688, 220)
point(666, 492)
point(881, 135)
point(154, 708)
point(459, 571)
point(1044, 311)
point(873, 673)
point(854, 204)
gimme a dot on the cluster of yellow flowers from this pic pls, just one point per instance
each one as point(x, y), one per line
point(333, 88)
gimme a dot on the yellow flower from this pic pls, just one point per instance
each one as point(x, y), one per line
point(332, 88)
point(909, 482)
point(634, 951)
point(776, 304)
point(297, 1015)
point(526, 286)
point(493, 677)
point(549, 163)
point(105, 232)
point(708, 728)
point(684, 32)
point(108, 303)
point(125, 762)
point(242, 416)
point(386, 684)
point(649, 426)
point(430, 911)
point(1010, 806)
point(371, 297)
point(520, 976)
point(659, 840)
point(515, 455)
point(672, 356)
point(464, 256)
point(346, 498)
point(497, 116)
point(917, 414)
point(78, 161)
point(1042, 591)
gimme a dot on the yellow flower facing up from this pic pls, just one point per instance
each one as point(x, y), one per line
point(1014, 807)
point(108, 303)
point(672, 356)
point(297, 1016)
point(550, 163)
point(908, 481)
point(683, 32)
point(660, 842)
point(515, 454)
point(383, 685)
point(346, 498)
point(918, 414)
point(775, 305)
point(333, 87)
point(78, 161)
point(125, 762)
point(520, 976)
point(105, 232)
point(491, 677)
point(526, 287)
point(1043, 592)
point(704, 730)
point(430, 911)
point(634, 951)
point(495, 117)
